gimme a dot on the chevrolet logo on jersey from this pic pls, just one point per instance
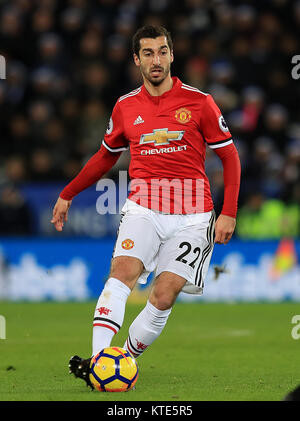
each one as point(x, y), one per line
point(161, 137)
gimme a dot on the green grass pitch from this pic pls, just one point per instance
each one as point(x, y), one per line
point(207, 352)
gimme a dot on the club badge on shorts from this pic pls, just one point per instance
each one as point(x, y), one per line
point(183, 115)
point(127, 244)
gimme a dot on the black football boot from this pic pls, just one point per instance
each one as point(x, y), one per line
point(81, 368)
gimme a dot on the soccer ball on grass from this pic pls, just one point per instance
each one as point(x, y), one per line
point(113, 370)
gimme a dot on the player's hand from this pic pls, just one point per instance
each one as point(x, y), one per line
point(60, 213)
point(224, 229)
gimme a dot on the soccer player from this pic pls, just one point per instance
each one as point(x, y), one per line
point(168, 221)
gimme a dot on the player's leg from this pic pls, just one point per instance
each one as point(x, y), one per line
point(183, 262)
point(150, 322)
point(135, 251)
point(110, 308)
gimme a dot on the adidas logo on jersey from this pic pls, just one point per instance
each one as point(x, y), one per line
point(139, 120)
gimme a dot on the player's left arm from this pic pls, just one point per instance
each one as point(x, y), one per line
point(226, 221)
point(218, 137)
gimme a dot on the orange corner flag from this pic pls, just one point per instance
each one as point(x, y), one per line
point(285, 258)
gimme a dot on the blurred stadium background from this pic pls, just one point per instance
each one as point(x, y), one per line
point(66, 64)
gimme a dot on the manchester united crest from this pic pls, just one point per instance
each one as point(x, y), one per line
point(183, 115)
point(127, 244)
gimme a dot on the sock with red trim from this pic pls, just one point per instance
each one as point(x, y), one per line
point(145, 329)
point(109, 313)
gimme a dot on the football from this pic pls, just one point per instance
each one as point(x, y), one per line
point(113, 370)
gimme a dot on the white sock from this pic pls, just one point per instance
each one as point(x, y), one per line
point(109, 313)
point(147, 326)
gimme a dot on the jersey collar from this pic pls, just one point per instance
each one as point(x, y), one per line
point(176, 85)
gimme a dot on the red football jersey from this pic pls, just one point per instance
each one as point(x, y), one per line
point(167, 136)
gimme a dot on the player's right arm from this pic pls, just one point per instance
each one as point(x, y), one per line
point(100, 163)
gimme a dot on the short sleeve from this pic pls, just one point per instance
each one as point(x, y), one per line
point(213, 126)
point(114, 138)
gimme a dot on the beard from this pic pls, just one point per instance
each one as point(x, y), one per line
point(156, 80)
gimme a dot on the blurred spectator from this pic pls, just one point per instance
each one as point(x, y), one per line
point(14, 212)
point(196, 72)
point(90, 47)
point(42, 21)
point(253, 103)
point(262, 218)
point(94, 80)
point(263, 170)
point(11, 30)
point(15, 170)
point(276, 124)
point(15, 82)
point(20, 135)
point(42, 166)
point(69, 114)
point(93, 124)
point(71, 24)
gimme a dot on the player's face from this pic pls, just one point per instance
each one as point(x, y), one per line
point(154, 59)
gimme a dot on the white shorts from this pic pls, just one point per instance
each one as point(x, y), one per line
point(181, 244)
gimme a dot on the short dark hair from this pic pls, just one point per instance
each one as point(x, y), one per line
point(150, 31)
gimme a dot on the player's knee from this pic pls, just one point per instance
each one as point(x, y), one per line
point(126, 269)
point(162, 300)
point(165, 290)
